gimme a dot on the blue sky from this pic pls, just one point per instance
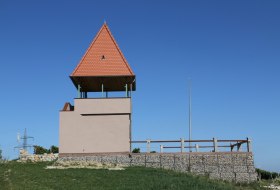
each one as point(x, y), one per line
point(230, 50)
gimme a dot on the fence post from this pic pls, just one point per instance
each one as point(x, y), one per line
point(249, 145)
point(182, 144)
point(161, 149)
point(215, 142)
point(231, 147)
point(148, 145)
point(197, 147)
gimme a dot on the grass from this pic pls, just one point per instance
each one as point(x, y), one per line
point(15, 175)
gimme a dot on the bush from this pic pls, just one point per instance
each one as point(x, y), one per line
point(266, 174)
point(54, 149)
point(40, 150)
point(136, 150)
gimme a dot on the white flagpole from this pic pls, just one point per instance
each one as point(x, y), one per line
point(190, 114)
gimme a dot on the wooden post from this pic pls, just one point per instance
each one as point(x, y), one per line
point(197, 147)
point(79, 91)
point(182, 144)
point(126, 90)
point(161, 149)
point(130, 90)
point(102, 88)
point(215, 142)
point(249, 145)
point(231, 147)
point(148, 145)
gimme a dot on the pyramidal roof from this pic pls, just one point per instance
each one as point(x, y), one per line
point(103, 58)
point(103, 67)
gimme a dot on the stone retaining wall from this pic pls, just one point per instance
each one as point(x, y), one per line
point(38, 157)
point(229, 166)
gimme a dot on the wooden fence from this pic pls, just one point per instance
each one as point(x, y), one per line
point(214, 145)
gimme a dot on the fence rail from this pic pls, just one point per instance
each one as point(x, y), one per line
point(214, 146)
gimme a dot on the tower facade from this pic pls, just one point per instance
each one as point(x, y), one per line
point(101, 124)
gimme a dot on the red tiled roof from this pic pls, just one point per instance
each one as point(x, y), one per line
point(103, 58)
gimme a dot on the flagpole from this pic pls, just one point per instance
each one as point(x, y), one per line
point(190, 114)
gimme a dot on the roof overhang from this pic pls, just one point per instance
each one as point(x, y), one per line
point(110, 83)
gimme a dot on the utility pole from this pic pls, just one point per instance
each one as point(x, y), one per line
point(24, 145)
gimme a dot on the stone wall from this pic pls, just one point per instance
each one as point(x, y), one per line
point(229, 166)
point(24, 156)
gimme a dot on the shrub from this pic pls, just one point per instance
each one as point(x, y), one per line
point(136, 150)
point(40, 150)
point(54, 149)
point(266, 174)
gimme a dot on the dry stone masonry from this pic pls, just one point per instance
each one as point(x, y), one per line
point(24, 156)
point(228, 166)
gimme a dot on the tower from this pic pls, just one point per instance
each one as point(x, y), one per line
point(101, 124)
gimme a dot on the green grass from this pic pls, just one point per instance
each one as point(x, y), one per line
point(15, 175)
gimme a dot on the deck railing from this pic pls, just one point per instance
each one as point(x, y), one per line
point(213, 145)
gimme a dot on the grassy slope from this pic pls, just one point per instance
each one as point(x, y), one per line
point(33, 176)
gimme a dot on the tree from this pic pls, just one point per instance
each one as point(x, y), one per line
point(0, 154)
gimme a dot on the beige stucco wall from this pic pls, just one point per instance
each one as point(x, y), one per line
point(104, 128)
point(102, 105)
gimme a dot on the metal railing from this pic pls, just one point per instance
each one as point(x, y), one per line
point(212, 145)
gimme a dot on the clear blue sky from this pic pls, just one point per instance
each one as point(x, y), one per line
point(230, 49)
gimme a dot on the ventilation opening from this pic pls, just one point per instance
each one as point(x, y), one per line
point(102, 57)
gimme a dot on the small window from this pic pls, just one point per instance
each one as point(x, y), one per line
point(102, 57)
